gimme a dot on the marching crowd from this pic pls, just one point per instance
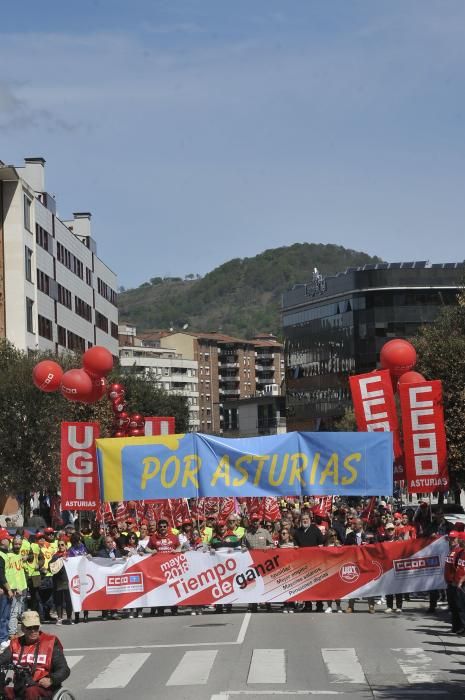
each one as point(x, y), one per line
point(32, 575)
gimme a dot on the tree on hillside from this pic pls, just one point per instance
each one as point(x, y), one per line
point(441, 355)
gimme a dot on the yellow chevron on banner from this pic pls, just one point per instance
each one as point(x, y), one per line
point(111, 464)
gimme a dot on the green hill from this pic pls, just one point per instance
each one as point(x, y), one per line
point(241, 297)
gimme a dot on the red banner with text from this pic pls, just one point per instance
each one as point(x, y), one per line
point(79, 471)
point(424, 437)
point(268, 576)
point(375, 407)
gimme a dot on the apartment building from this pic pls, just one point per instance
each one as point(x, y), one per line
point(169, 369)
point(228, 369)
point(56, 294)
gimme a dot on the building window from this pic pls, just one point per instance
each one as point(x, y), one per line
point(82, 309)
point(45, 327)
point(27, 212)
point(28, 263)
point(106, 292)
point(64, 297)
point(43, 238)
point(101, 321)
point(29, 315)
point(75, 342)
point(89, 277)
point(62, 336)
point(114, 330)
point(70, 261)
point(43, 282)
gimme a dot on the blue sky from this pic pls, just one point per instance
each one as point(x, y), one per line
point(200, 131)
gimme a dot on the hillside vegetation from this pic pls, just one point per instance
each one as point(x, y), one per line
point(241, 297)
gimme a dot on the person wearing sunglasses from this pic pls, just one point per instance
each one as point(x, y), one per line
point(165, 542)
point(43, 653)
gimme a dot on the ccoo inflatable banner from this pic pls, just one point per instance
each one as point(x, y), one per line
point(196, 465)
point(258, 576)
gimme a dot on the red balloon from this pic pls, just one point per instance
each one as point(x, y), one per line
point(137, 421)
point(136, 432)
point(398, 356)
point(122, 420)
point(99, 387)
point(97, 361)
point(47, 375)
point(118, 406)
point(411, 378)
point(76, 385)
point(119, 433)
point(116, 391)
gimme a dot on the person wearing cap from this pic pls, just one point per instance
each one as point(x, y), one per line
point(43, 653)
point(6, 594)
point(256, 537)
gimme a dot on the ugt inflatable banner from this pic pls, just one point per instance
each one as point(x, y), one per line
point(79, 472)
point(268, 576)
point(196, 465)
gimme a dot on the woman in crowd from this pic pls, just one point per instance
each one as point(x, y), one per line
point(61, 595)
point(332, 540)
point(286, 542)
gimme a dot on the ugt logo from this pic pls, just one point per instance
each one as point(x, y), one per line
point(349, 572)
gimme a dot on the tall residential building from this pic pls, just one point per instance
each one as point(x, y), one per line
point(337, 326)
point(169, 369)
point(229, 368)
point(55, 293)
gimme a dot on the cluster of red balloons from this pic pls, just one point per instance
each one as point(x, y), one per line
point(86, 384)
point(124, 425)
point(399, 357)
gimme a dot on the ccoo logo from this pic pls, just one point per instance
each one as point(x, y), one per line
point(349, 572)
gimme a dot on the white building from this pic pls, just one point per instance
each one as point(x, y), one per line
point(169, 369)
point(55, 293)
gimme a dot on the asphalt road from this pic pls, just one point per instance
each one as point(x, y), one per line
point(267, 656)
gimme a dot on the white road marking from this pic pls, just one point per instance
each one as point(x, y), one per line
point(243, 629)
point(193, 669)
point(119, 672)
point(225, 696)
point(267, 666)
point(343, 665)
point(73, 660)
point(416, 665)
point(239, 640)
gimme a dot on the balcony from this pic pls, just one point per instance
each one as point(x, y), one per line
point(228, 365)
point(230, 392)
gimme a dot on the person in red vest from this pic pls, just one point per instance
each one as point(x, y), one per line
point(43, 653)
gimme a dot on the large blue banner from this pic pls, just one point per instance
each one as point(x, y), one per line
point(294, 464)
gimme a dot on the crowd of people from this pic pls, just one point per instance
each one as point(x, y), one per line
point(32, 575)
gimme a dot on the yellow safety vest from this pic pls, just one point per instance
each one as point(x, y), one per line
point(14, 572)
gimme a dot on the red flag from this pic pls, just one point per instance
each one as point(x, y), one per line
point(424, 437)
point(374, 405)
point(179, 511)
point(104, 513)
point(121, 511)
point(227, 506)
point(254, 506)
point(271, 509)
point(324, 503)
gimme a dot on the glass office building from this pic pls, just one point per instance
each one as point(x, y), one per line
point(336, 326)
